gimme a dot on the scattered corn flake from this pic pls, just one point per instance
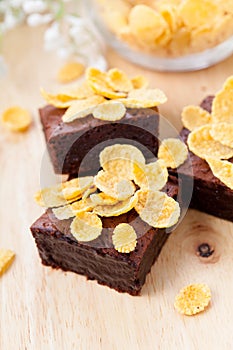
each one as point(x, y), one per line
point(61, 100)
point(86, 227)
point(70, 71)
point(80, 92)
point(63, 213)
point(116, 209)
point(152, 176)
point(77, 187)
point(198, 13)
point(173, 152)
point(113, 185)
point(202, 144)
point(110, 111)
point(139, 82)
point(222, 169)
point(50, 197)
point(193, 299)
point(98, 81)
point(222, 107)
point(89, 191)
point(118, 80)
point(103, 199)
point(144, 98)
point(6, 258)
point(124, 238)
point(83, 205)
point(223, 132)
point(16, 118)
point(145, 23)
point(157, 209)
point(119, 159)
point(82, 108)
point(194, 116)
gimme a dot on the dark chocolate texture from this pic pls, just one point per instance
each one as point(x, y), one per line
point(98, 259)
point(210, 195)
point(74, 147)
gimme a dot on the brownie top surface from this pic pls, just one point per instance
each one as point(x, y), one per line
point(198, 166)
point(51, 119)
point(50, 225)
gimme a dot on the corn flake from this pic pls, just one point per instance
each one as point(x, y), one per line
point(193, 299)
point(80, 92)
point(194, 116)
point(86, 227)
point(223, 170)
point(119, 81)
point(98, 81)
point(16, 118)
point(223, 132)
point(103, 199)
point(82, 108)
point(124, 238)
point(152, 176)
point(139, 82)
point(117, 209)
point(222, 107)
point(173, 152)
point(202, 144)
point(60, 100)
point(157, 209)
point(110, 111)
point(113, 185)
point(63, 213)
point(144, 98)
point(82, 205)
point(70, 71)
point(6, 258)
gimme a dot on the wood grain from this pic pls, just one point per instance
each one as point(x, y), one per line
point(43, 308)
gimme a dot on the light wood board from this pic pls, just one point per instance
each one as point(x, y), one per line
point(43, 308)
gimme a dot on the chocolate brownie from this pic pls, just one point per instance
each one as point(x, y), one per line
point(98, 260)
point(210, 195)
point(69, 144)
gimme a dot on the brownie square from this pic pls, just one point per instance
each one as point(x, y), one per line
point(98, 260)
point(210, 195)
point(74, 147)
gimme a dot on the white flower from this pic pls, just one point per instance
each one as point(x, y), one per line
point(36, 19)
point(53, 38)
point(31, 6)
point(10, 21)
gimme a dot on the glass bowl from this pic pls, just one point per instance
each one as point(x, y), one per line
point(212, 49)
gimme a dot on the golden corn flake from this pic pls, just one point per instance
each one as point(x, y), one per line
point(152, 176)
point(70, 71)
point(139, 82)
point(16, 118)
point(193, 299)
point(198, 13)
point(82, 205)
point(223, 132)
point(77, 187)
point(170, 14)
point(98, 81)
point(119, 81)
point(61, 100)
point(194, 116)
point(89, 191)
point(202, 144)
point(80, 92)
point(223, 170)
point(144, 98)
point(6, 259)
point(124, 238)
point(63, 213)
point(110, 111)
point(50, 197)
point(146, 24)
point(117, 209)
point(113, 185)
point(173, 152)
point(82, 108)
point(122, 167)
point(102, 199)
point(118, 151)
point(157, 209)
point(222, 107)
point(86, 227)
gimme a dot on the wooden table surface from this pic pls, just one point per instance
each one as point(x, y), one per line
point(43, 308)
